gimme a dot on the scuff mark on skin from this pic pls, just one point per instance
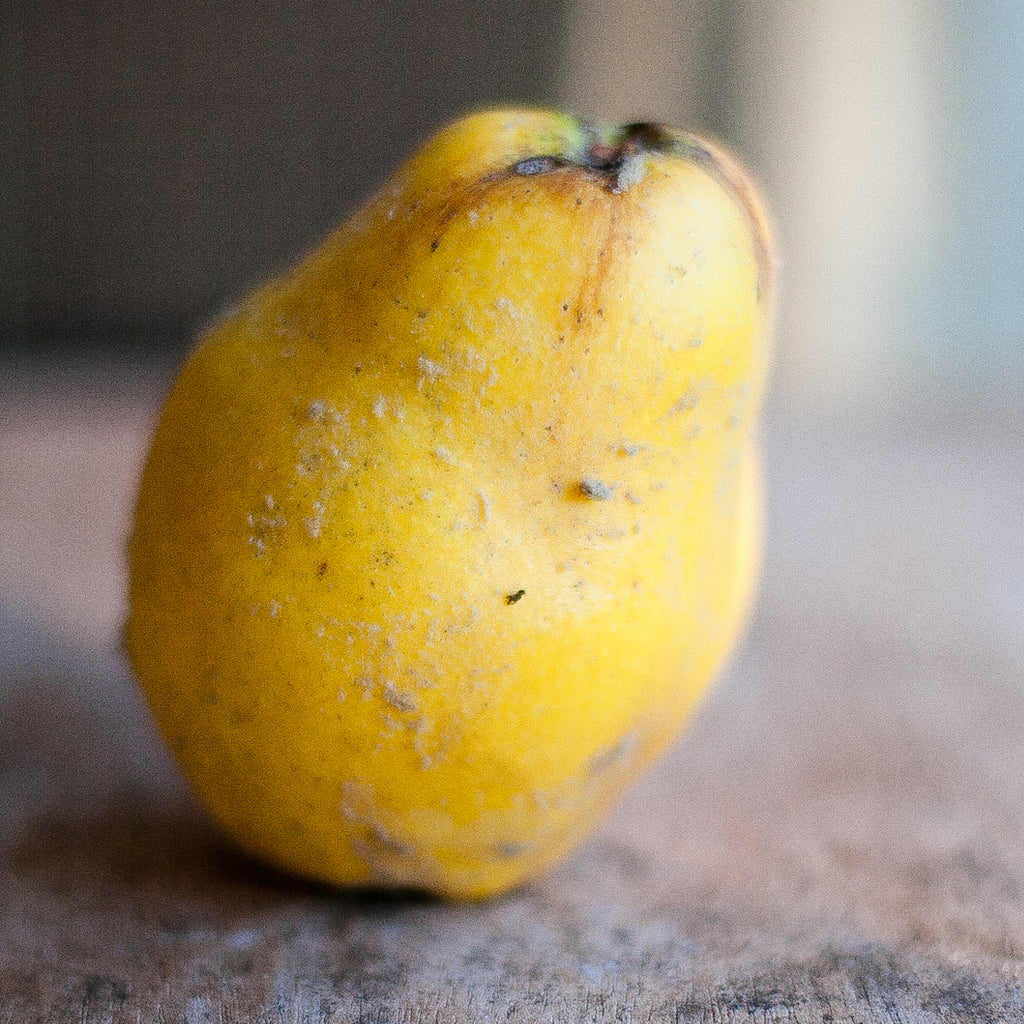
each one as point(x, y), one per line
point(429, 371)
point(398, 699)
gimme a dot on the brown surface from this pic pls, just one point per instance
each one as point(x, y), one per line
point(838, 837)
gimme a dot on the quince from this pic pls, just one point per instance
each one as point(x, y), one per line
point(442, 534)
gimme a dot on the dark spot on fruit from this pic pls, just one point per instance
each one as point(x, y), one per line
point(594, 489)
point(513, 598)
point(321, 569)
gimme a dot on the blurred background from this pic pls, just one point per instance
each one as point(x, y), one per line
point(158, 160)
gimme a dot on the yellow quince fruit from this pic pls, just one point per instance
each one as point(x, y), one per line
point(443, 533)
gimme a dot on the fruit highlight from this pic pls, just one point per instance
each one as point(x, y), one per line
point(442, 535)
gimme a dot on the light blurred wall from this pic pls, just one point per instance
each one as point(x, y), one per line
point(981, 289)
point(845, 107)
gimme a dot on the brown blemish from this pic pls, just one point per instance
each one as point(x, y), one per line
point(516, 597)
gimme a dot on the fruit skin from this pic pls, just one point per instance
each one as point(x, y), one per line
point(443, 533)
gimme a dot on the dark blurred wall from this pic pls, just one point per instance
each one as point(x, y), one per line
point(160, 159)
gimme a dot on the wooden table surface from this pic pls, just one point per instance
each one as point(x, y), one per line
point(838, 837)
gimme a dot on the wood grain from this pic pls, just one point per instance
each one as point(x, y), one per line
point(837, 838)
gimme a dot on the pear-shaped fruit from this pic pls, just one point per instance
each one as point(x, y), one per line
point(442, 534)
